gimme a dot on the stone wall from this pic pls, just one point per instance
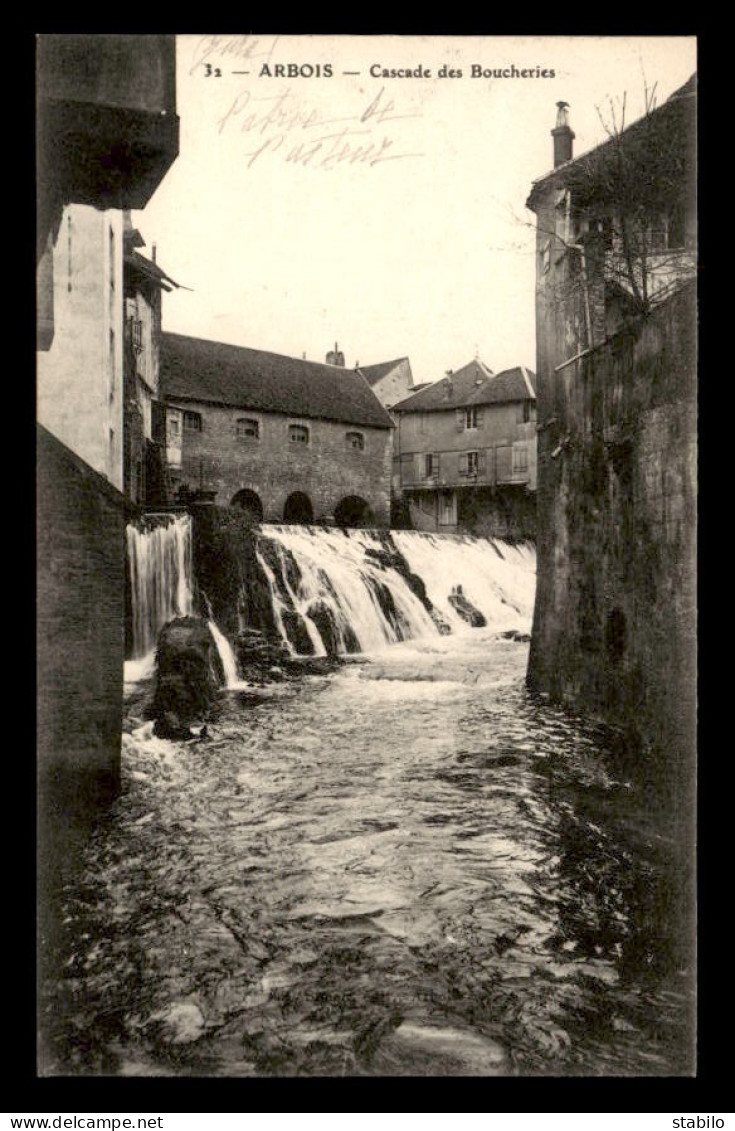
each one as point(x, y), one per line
point(80, 627)
point(326, 468)
point(615, 617)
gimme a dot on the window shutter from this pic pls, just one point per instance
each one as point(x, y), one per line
point(435, 464)
point(460, 419)
point(478, 411)
point(482, 462)
point(463, 463)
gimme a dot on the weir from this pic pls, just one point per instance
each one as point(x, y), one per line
point(347, 591)
point(322, 592)
point(159, 554)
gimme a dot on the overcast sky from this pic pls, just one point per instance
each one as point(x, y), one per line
point(387, 214)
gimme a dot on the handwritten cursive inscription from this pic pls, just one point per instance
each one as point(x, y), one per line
point(286, 125)
point(232, 48)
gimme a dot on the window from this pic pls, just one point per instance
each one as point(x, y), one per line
point(520, 458)
point(658, 236)
point(523, 413)
point(112, 260)
point(247, 429)
point(111, 362)
point(431, 465)
point(298, 434)
point(173, 426)
point(471, 417)
point(469, 463)
point(193, 421)
point(355, 440)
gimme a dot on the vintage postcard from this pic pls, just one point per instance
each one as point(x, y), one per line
point(366, 385)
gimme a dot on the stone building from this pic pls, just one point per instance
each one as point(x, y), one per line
point(614, 620)
point(144, 464)
point(107, 132)
point(391, 381)
point(465, 452)
point(287, 439)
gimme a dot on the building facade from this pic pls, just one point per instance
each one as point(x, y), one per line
point(80, 375)
point(107, 132)
point(285, 439)
point(614, 622)
point(144, 463)
point(391, 381)
point(465, 455)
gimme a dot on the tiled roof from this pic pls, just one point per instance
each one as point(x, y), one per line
point(375, 373)
point(195, 369)
point(474, 384)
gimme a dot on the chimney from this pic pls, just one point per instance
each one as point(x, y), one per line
point(334, 357)
point(562, 134)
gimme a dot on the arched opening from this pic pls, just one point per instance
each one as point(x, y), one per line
point(354, 511)
point(298, 508)
point(249, 502)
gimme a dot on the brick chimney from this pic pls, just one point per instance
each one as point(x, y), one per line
point(335, 356)
point(563, 135)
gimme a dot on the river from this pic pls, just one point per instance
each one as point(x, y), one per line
point(407, 866)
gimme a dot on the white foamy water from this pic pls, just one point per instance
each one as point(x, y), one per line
point(498, 578)
point(374, 605)
point(160, 566)
point(227, 656)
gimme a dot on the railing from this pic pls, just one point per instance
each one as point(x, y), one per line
point(492, 466)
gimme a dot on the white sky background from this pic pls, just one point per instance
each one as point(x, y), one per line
point(428, 254)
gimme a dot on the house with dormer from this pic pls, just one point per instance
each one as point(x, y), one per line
point(465, 452)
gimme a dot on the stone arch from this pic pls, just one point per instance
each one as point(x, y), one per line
point(248, 501)
point(298, 508)
point(354, 511)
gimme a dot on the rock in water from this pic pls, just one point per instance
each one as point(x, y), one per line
point(466, 609)
point(188, 676)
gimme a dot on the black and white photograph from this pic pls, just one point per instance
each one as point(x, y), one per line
point(366, 469)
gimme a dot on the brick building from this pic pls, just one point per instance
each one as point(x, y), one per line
point(614, 622)
point(465, 452)
point(286, 439)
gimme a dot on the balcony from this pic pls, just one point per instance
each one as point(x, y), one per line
point(500, 465)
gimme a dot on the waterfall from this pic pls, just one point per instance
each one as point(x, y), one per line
point(226, 655)
point(160, 569)
point(359, 590)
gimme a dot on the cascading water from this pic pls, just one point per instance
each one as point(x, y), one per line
point(161, 584)
point(358, 590)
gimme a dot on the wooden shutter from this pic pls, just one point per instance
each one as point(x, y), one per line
point(463, 463)
point(481, 462)
point(460, 419)
point(479, 416)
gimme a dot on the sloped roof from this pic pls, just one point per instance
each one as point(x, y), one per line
point(375, 373)
point(150, 270)
point(474, 384)
point(667, 120)
point(194, 369)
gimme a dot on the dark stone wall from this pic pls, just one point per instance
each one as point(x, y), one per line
point(502, 512)
point(229, 581)
point(615, 616)
point(80, 637)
